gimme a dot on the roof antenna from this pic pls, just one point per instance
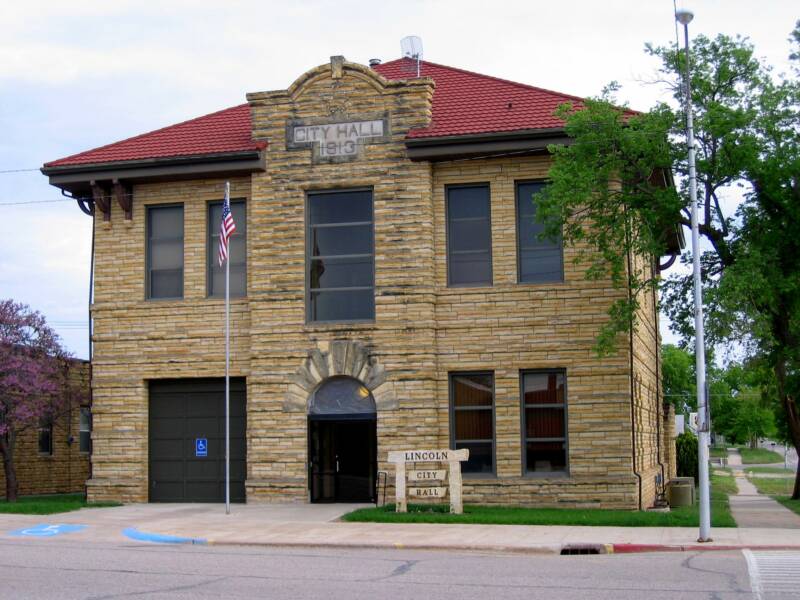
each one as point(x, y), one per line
point(411, 47)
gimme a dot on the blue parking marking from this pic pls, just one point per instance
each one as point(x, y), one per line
point(157, 538)
point(44, 530)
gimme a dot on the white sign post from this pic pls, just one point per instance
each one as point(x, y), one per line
point(453, 460)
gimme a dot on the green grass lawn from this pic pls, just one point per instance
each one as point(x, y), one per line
point(718, 452)
point(775, 470)
point(47, 505)
point(793, 505)
point(754, 456)
point(773, 486)
point(778, 488)
point(722, 486)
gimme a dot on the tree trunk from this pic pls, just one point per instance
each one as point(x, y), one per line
point(7, 450)
point(792, 419)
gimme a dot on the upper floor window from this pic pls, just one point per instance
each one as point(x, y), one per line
point(538, 260)
point(544, 422)
point(237, 251)
point(165, 251)
point(469, 235)
point(340, 256)
point(472, 419)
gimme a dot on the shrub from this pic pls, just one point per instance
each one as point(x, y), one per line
point(686, 452)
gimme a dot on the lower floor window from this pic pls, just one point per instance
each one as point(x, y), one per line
point(85, 441)
point(472, 419)
point(45, 436)
point(544, 422)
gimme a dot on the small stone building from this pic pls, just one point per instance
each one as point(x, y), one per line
point(389, 291)
point(54, 457)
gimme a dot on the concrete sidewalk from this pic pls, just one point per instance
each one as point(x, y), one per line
point(315, 525)
point(751, 509)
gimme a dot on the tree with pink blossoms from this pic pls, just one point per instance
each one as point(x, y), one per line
point(34, 379)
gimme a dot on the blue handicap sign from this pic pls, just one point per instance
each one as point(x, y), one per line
point(46, 530)
point(201, 447)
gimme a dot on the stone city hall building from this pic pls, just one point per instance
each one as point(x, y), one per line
point(389, 292)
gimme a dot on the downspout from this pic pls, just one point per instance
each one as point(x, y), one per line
point(91, 362)
point(659, 407)
point(87, 207)
point(633, 411)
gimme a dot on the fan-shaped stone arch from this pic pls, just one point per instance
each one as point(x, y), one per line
point(340, 357)
point(337, 69)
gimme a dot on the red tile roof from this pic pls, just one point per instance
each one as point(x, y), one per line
point(227, 130)
point(464, 103)
point(469, 103)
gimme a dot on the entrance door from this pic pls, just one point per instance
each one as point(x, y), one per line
point(343, 460)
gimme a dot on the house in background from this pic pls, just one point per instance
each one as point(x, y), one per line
point(55, 457)
point(390, 292)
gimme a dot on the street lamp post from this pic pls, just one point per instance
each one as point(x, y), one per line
point(684, 17)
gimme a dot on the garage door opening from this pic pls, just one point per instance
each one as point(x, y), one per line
point(187, 440)
point(342, 442)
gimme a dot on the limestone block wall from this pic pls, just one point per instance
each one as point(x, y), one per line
point(423, 330)
point(402, 338)
point(136, 339)
point(67, 468)
point(651, 446)
point(511, 327)
point(669, 441)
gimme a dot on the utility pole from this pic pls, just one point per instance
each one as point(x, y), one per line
point(684, 17)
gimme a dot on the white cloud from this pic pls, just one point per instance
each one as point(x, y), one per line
point(74, 75)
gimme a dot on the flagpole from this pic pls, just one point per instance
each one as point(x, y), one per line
point(227, 373)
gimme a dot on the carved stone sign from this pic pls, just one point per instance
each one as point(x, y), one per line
point(427, 492)
point(452, 458)
point(427, 475)
point(332, 141)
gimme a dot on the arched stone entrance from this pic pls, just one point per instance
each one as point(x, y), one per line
point(342, 441)
point(341, 420)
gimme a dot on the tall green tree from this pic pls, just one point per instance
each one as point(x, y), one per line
point(678, 378)
point(610, 194)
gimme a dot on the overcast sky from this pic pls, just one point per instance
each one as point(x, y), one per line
point(79, 74)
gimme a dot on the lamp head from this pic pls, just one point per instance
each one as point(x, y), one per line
point(683, 14)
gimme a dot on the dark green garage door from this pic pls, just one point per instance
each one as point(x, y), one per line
point(183, 411)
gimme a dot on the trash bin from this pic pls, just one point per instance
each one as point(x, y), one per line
point(680, 492)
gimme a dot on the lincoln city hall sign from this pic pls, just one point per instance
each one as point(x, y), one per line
point(335, 140)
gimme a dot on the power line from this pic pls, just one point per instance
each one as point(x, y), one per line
point(3, 172)
point(37, 202)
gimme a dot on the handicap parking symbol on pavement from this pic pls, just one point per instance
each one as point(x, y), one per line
point(46, 530)
point(201, 447)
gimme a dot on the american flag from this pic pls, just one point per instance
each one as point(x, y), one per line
point(226, 229)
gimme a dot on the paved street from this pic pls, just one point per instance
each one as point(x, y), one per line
point(66, 569)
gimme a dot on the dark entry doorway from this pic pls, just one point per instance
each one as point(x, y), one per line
point(343, 460)
point(342, 442)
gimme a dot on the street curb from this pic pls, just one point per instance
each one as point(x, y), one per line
point(394, 546)
point(567, 549)
point(641, 548)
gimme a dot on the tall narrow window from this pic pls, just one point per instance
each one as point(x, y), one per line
point(165, 252)
point(85, 430)
point(46, 436)
point(539, 260)
point(237, 251)
point(544, 416)
point(469, 235)
point(340, 256)
point(472, 419)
